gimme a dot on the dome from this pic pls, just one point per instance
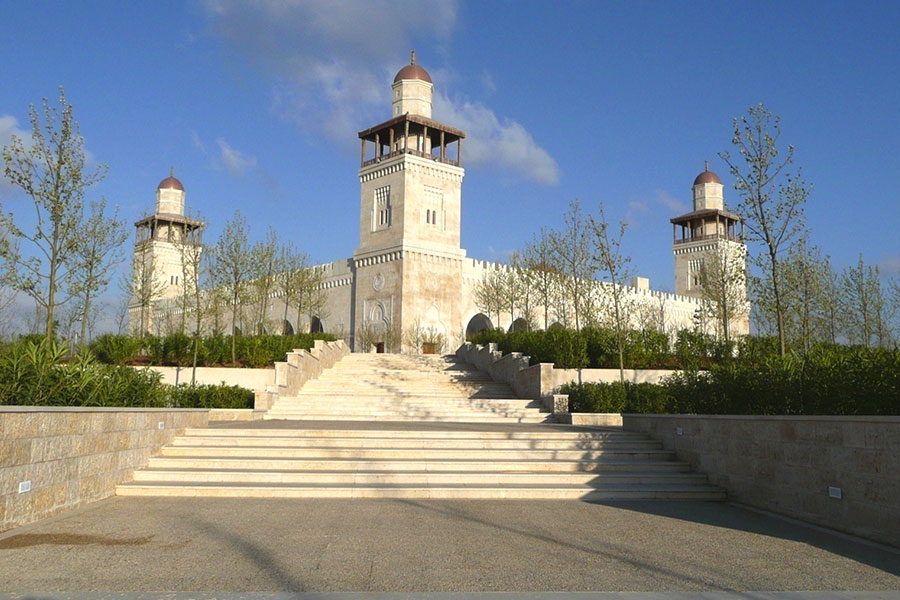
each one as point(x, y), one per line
point(707, 176)
point(412, 71)
point(170, 183)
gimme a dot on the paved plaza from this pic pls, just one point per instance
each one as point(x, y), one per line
point(240, 545)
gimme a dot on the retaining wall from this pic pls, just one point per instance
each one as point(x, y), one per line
point(252, 379)
point(73, 456)
point(787, 464)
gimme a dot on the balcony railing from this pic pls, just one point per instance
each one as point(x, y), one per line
point(711, 236)
point(378, 159)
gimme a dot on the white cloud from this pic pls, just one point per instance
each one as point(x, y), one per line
point(333, 60)
point(198, 143)
point(235, 162)
point(494, 141)
point(670, 202)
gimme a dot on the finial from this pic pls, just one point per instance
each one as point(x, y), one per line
point(171, 171)
point(412, 57)
point(707, 165)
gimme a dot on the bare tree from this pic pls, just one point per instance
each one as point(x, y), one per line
point(233, 269)
point(289, 284)
point(51, 171)
point(543, 274)
point(862, 302)
point(489, 296)
point(312, 297)
point(144, 286)
point(96, 253)
point(772, 199)
point(194, 272)
point(264, 273)
point(723, 282)
point(613, 265)
point(572, 254)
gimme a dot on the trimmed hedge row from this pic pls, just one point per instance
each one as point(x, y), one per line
point(177, 350)
point(827, 381)
point(596, 348)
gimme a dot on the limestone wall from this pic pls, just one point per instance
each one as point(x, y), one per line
point(787, 464)
point(252, 379)
point(73, 456)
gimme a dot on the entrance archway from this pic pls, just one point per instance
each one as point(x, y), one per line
point(479, 322)
point(287, 328)
point(519, 325)
point(315, 325)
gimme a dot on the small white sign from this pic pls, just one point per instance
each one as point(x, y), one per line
point(834, 492)
point(24, 486)
point(161, 425)
point(679, 431)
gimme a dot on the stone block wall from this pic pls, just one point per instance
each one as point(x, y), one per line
point(73, 456)
point(787, 464)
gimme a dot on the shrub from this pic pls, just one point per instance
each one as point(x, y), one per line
point(114, 349)
point(211, 396)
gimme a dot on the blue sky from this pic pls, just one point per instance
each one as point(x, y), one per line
point(257, 107)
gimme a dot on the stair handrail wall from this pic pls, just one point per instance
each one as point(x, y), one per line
point(299, 367)
point(515, 369)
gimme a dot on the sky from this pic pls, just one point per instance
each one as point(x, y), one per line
point(257, 105)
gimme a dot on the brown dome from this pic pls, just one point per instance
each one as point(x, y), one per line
point(170, 183)
point(707, 176)
point(412, 71)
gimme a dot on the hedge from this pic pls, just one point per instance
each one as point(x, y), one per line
point(177, 349)
point(828, 381)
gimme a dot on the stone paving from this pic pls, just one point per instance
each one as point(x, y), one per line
point(239, 545)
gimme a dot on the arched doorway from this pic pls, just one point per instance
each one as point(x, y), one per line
point(479, 322)
point(315, 325)
point(287, 328)
point(519, 325)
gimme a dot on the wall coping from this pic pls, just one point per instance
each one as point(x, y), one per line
point(95, 409)
point(823, 418)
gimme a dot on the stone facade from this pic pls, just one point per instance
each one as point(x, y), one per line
point(839, 472)
point(72, 456)
point(409, 280)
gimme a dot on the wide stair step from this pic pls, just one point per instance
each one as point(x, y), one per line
point(390, 426)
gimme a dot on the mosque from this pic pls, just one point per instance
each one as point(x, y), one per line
point(409, 272)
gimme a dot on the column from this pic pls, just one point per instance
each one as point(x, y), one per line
point(459, 152)
point(391, 145)
point(443, 148)
point(406, 136)
point(425, 139)
point(362, 152)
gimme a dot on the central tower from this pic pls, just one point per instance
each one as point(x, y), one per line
point(411, 181)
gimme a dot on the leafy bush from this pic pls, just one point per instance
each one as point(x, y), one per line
point(178, 349)
point(33, 374)
point(115, 349)
point(830, 380)
point(211, 396)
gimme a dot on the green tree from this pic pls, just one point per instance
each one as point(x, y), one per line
point(96, 253)
point(772, 197)
point(233, 269)
point(609, 259)
point(50, 170)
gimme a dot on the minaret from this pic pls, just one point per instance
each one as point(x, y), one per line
point(705, 232)
point(158, 274)
point(410, 183)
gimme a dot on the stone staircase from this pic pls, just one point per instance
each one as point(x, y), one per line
point(402, 387)
point(388, 426)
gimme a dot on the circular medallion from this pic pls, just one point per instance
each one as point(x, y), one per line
point(378, 282)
